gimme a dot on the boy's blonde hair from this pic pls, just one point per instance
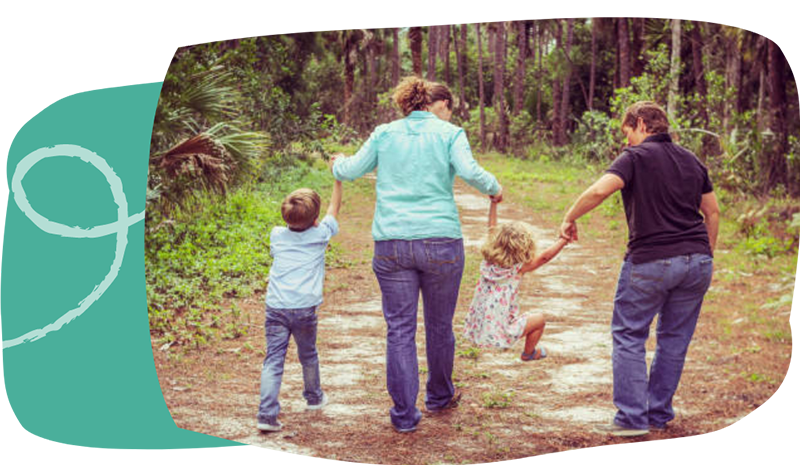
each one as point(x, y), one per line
point(300, 209)
point(509, 244)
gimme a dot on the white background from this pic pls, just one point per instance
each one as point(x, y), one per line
point(142, 23)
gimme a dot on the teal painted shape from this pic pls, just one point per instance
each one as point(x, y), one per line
point(10, 94)
point(93, 381)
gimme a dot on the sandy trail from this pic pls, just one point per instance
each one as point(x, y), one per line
point(555, 401)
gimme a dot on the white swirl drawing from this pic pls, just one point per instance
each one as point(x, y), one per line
point(119, 227)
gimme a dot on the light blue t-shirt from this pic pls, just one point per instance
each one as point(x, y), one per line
point(298, 265)
point(417, 158)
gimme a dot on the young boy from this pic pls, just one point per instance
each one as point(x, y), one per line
point(293, 295)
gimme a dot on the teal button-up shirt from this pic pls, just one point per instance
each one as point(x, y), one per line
point(417, 158)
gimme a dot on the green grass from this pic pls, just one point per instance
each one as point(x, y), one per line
point(214, 248)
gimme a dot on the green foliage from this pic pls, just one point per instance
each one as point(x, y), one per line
point(497, 399)
point(214, 248)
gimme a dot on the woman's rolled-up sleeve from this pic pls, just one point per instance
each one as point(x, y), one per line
point(364, 161)
point(468, 169)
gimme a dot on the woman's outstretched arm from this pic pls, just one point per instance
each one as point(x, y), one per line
point(364, 161)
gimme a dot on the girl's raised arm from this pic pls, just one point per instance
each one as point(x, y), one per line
point(492, 215)
point(545, 256)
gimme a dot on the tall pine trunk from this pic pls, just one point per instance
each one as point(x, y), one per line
point(539, 71)
point(432, 38)
point(395, 57)
point(460, 45)
point(522, 53)
point(776, 169)
point(480, 86)
point(557, 87)
point(624, 52)
point(674, 70)
point(444, 50)
point(593, 66)
point(565, 93)
point(349, 75)
point(699, 72)
point(415, 44)
point(501, 136)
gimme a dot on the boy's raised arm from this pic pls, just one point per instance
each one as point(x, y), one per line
point(336, 200)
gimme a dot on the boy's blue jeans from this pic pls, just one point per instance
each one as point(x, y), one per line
point(404, 268)
point(279, 325)
point(672, 288)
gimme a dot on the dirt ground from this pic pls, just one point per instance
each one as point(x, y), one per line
point(509, 409)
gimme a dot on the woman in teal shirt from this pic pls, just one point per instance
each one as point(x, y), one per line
point(418, 241)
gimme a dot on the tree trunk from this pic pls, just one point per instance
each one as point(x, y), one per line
point(624, 52)
point(733, 72)
point(395, 57)
point(371, 59)
point(522, 53)
point(564, 107)
point(593, 66)
point(459, 46)
point(761, 61)
point(776, 170)
point(637, 46)
point(539, 41)
point(674, 70)
point(557, 87)
point(349, 79)
point(501, 136)
point(480, 86)
point(444, 49)
point(432, 37)
point(415, 44)
point(698, 71)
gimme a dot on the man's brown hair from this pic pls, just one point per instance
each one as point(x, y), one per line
point(300, 209)
point(441, 92)
point(654, 117)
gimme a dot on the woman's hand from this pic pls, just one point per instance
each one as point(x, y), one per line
point(498, 197)
point(333, 159)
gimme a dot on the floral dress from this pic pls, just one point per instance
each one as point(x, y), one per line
point(494, 319)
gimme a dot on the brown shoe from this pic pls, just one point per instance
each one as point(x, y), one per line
point(451, 404)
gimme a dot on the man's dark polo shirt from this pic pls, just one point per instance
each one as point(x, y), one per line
point(664, 184)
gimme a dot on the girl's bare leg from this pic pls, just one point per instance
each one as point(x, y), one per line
point(534, 328)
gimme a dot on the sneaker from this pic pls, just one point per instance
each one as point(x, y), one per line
point(655, 427)
point(321, 403)
point(621, 431)
point(410, 429)
point(270, 427)
point(451, 404)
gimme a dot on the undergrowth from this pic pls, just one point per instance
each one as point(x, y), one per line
point(213, 249)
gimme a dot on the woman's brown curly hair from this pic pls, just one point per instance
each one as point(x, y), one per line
point(509, 244)
point(412, 94)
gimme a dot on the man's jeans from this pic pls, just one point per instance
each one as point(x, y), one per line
point(672, 288)
point(280, 324)
point(404, 268)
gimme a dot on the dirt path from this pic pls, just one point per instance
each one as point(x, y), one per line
point(553, 402)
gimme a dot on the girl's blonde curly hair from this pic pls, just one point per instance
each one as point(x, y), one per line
point(509, 244)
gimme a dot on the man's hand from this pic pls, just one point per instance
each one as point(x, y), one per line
point(498, 197)
point(569, 231)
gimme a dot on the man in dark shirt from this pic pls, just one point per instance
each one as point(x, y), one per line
point(667, 267)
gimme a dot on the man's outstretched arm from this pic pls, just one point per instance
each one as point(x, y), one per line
point(587, 201)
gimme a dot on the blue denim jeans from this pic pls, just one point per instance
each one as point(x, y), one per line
point(672, 288)
point(279, 325)
point(404, 268)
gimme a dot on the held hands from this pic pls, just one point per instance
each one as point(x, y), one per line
point(333, 159)
point(498, 197)
point(568, 231)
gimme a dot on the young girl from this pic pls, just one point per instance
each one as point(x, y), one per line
point(494, 319)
